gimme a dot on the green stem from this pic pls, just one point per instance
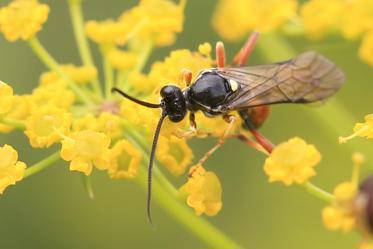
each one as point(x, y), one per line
point(49, 61)
point(109, 77)
point(318, 192)
point(87, 181)
point(197, 225)
point(77, 20)
point(19, 124)
point(167, 196)
point(43, 164)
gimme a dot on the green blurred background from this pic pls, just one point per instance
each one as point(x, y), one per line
point(52, 209)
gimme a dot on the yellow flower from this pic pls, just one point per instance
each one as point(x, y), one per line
point(22, 19)
point(121, 60)
point(366, 48)
point(174, 153)
point(361, 129)
point(161, 19)
point(20, 110)
point(85, 149)
point(339, 215)
point(203, 191)
point(6, 98)
point(109, 124)
point(319, 16)
point(105, 32)
point(124, 160)
point(57, 95)
point(292, 162)
point(366, 244)
point(168, 71)
point(45, 126)
point(80, 75)
point(234, 19)
point(87, 122)
point(11, 170)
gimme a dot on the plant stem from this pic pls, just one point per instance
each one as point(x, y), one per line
point(43, 164)
point(77, 20)
point(49, 61)
point(168, 197)
point(318, 192)
point(19, 124)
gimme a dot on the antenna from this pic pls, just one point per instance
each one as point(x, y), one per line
point(140, 102)
point(150, 168)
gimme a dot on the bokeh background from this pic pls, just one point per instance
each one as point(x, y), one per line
point(52, 209)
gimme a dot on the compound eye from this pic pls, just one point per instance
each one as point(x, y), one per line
point(167, 91)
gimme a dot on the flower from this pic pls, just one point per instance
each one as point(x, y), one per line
point(174, 153)
point(22, 19)
point(203, 191)
point(105, 32)
point(366, 48)
point(160, 20)
point(124, 160)
point(292, 162)
point(361, 129)
point(234, 19)
point(6, 98)
point(11, 170)
point(122, 60)
point(47, 125)
point(85, 149)
point(20, 110)
point(80, 75)
point(319, 16)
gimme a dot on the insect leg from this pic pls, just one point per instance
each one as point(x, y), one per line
point(267, 145)
point(241, 57)
point(231, 121)
point(220, 54)
point(185, 77)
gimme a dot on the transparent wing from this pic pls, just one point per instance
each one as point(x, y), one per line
point(307, 78)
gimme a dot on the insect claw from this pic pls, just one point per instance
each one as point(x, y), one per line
point(220, 54)
point(241, 57)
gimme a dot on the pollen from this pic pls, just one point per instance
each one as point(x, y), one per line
point(11, 170)
point(203, 192)
point(22, 19)
point(292, 162)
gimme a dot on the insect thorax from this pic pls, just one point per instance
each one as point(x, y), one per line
point(208, 93)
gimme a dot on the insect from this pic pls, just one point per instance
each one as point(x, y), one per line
point(307, 78)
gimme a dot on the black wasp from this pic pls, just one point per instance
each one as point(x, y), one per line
point(307, 78)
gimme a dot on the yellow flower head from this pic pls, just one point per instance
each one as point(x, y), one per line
point(6, 98)
point(168, 71)
point(203, 191)
point(20, 110)
point(80, 75)
point(45, 126)
point(22, 19)
point(105, 32)
point(109, 124)
point(122, 60)
point(366, 48)
point(174, 153)
point(160, 19)
point(57, 95)
point(124, 160)
point(11, 170)
point(85, 149)
point(234, 19)
point(292, 161)
point(319, 16)
point(361, 129)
